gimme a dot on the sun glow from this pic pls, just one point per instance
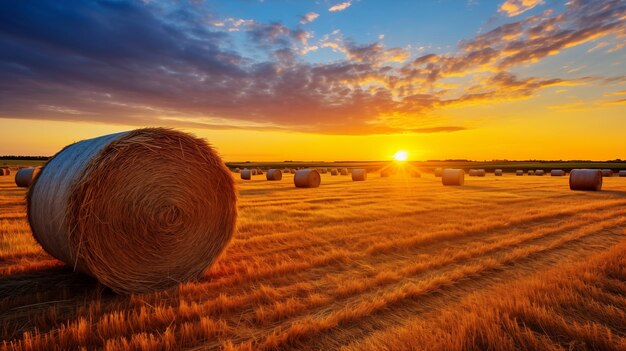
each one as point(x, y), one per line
point(401, 155)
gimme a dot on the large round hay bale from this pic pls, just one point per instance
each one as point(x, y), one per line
point(259, 171)
point(539, 172)
point(307, 178)
point(274, 174)
point(334, 172)
point(585, 179)
point(293, 171)
point(25, 176)
point(607, 172)
point(498, 173)
point(359, 174)
point(323, 170)
point(286, 170)
point(519, 172)
point(140, 210)
point(246, 174)
point(344, 171)
point(480, 172)
point(3, 172)
point(531, 172)
point(473, 172)
point(451, 176)
point(557, 173)
point(622, 173)
point(438, 172)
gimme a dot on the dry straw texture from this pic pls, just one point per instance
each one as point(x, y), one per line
point(334, 172)
point(497, 172)
point(359, 174)
point(344, 171)
point(140, 210)
point(453, 177)
point(557, 173)
point(25, 176)
point(274, 174)
point(585, 179)
point(246, 174)
point(307, 178)
point(607, 172)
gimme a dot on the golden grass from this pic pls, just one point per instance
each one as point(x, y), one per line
point(392, 263)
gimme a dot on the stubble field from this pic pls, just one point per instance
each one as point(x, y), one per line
point(389, 263)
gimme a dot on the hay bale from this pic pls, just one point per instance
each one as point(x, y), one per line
point(622, 173)
point(438, 172)
point(25, 176)
point(473, 172)
point(539, 172)
point(451, 176)
point(323, 170)
point(530, 172)
point(3, 172)
point(274, 174)
point(237, 170)
point(307, 178)
point(480, 172)
point(259, 171)
point(585, 179)
point(334, 172)
point(557, 173)
point(607, 172)
point(286, 170)
point(359, 174)
point(140, 210)
point(519, 172)
point(246, 174)
point(293, 170)
point(344, 171)
point(498, 173)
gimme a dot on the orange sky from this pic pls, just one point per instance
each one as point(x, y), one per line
point(486, 80)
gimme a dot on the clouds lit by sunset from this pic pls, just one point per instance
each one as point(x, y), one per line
point(442, 79)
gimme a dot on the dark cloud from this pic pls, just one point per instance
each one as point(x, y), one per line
point(163, 63)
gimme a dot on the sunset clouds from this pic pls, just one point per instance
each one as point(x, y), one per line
point(163, 64)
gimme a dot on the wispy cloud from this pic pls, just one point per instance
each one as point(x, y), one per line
point(513, 8)
point(308, 17)
point(340, 7)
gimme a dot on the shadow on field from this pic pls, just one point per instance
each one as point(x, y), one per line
point(53, 279)
point(618, 193)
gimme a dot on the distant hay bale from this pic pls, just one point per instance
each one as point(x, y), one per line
point(237, 170)
point(323, 170)
point(293, 170)
point(286, 170)
point(531, 172)
point(25, 176)
point(519, 172)
point(274, 174)
point(497, 172)
point(539, 172)
point(5, 171)
point(607, 172)
point(307, 178)
point(480, 172)
point(259, 171)
point(585, 179)
point(451, 176)
point(473, 172)
point(334, 172)
point(622, 173)
point(557, 173)
point(253, 171)
point(438, 172)
point(359, 174)
point(344, 171)
point(141, 210)
point(246, 174)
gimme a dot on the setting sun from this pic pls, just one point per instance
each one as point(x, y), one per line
point(401, 155)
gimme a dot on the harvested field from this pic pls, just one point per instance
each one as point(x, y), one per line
point(387, 263)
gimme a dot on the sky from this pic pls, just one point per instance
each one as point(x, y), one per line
point(269, 80)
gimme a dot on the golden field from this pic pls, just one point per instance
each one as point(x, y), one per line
point(389, 264)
